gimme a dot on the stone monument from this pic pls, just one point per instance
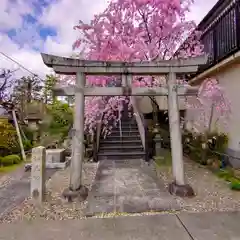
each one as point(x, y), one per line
point(38, 174)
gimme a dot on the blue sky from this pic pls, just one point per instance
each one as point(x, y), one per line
point(28, 27)
point(31, 28)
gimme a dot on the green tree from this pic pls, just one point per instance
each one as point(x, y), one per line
point(26, 90)
point(61, 118)
point(29, 88)
point(48, 94)
point(8, 138)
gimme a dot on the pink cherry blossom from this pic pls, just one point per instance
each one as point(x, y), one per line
point(211, 105)
point(134, 30)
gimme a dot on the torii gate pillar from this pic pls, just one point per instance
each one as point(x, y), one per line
point(78, 138)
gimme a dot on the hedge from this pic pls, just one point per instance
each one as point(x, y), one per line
point(10, 160)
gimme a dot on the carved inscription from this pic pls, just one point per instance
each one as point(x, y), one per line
point(37, 173)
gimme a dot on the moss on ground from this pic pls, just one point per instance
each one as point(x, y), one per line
point(165, 159)
point(8, 169)
point(228, 175)
point(119, 214)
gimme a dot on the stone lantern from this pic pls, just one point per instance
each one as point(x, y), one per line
point(33, 123)
point(34, 119)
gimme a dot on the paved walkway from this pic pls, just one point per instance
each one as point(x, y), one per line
point(128, 186)
point(17, 190)
point(197, 226)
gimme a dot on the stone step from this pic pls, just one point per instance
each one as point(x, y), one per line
point(123, 138)
point(129, 128)
point(107, 155)
point(128, 123)
point(107, 142)
point(134, 127)
point(120, 148)
point(124, 133)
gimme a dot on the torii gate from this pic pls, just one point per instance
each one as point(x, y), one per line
point(81, 68)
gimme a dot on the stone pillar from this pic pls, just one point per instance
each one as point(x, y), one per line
point(76, 189)
point(38, 174)
point(178, 187)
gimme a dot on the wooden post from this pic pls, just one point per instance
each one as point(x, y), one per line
point(19, 135)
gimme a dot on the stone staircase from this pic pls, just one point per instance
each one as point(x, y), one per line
point(122, 147)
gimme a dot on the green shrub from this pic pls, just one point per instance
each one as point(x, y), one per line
point(10, 160)
point(196, 141)
point(28, 132)
point(8, 139)
point(27, 145)
point(226, 174)
point(221, 141)
point(235, 185)
point(7, 162)
point(61, 118)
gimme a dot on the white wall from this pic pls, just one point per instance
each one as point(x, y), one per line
point(229, 79)
point(146, 107)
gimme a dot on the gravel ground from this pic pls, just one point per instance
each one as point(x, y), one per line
point(212, 193)
point(55, 207)
point(7, 178)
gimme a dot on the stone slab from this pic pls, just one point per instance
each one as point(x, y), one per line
point(122, 186)
point(55, 155)
point(121, 228)
point(58, 165)
point(102, 205)
point(212, 226)
point(133, 204)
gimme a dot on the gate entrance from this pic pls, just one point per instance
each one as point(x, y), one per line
point(170, 68)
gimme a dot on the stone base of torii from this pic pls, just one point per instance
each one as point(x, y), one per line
point(81, 68)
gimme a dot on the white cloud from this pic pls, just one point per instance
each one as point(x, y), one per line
point(25, 56)
point(11, 13)
point(63, 16)
point(200, 9)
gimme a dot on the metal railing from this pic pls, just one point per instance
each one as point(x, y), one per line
point(220, 33)
point(221, 37)
point(96, 138)
point(142, 128)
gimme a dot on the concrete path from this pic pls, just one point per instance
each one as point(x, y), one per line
point(128, 186)
point(197, 226)
point(17, 190)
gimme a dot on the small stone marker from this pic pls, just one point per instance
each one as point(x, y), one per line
point(38, 174)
